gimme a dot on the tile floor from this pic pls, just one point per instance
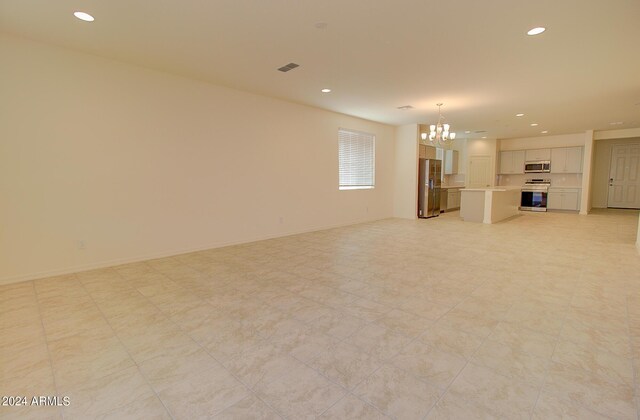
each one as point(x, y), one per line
point(536, 317)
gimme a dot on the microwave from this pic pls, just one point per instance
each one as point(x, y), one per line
point(538, 166)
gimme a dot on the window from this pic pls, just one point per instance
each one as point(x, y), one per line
point(356, 159)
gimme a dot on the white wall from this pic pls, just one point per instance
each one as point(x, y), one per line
point(624, 133)
point(587, 172)
point(638, 235)
point(405, 202)
point(139, 163)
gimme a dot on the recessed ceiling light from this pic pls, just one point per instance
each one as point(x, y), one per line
point(484, 137)
point(520, 115)
point(536, 31)
point(544, 132)
point(84, 16)
point(534, 124)
point(467, 132)
point(325, 90)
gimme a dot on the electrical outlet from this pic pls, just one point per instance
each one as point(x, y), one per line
point(281, 219)
point(82, 244)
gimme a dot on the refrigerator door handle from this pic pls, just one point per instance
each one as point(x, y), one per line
point(431, 184)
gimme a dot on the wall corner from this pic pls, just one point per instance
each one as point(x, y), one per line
point(587, 172)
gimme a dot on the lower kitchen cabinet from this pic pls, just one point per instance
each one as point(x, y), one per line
point(450, 199)
point(563, 199)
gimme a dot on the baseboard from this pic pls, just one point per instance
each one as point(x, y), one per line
point(145, 257)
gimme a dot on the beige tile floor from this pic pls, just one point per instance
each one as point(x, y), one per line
point(536, 317)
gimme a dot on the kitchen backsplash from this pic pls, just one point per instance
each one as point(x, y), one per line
point(457, 179)
point(557, 180)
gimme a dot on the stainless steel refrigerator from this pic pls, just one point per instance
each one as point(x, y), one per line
point(429, 175)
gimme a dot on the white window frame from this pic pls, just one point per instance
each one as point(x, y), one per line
point(367, 155)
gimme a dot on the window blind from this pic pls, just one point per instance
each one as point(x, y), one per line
point(356, 157)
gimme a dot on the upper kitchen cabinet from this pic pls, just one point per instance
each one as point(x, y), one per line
point(538, 154)
point(426, 152)
point(566, 160)
point(450, 162)
point(512, 162)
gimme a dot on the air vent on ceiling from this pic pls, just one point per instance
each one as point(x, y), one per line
point(405, 107)
point(288, 67)
point(480, 131)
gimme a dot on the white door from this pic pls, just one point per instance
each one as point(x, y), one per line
point(624, 176)
point(479, 171)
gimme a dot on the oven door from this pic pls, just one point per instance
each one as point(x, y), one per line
point(533, 200)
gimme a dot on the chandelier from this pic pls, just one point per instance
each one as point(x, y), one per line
point(439, 133)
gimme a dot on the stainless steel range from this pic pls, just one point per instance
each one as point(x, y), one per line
point(534, 194)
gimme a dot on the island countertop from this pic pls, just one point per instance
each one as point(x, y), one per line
point(489, 205)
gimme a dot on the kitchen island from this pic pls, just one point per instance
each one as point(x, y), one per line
point(489, 205)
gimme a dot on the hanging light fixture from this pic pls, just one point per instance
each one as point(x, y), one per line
point(439, 133)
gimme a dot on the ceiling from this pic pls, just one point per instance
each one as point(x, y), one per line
point(473, 56)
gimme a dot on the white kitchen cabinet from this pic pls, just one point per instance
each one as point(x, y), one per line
point(571, 200)
point(518, 162)
point(506, 162)
point(574, 160)
point(538, 154)
point(566, 160)
point(450, 162)
point(512, 162)
point(554, 200)
point(563, 199)
point(449, 199)
point(453, 198)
